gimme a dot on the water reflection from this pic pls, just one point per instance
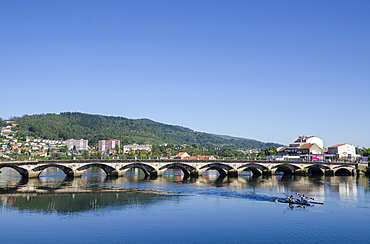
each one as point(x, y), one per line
point(67, 203)
point(52, 191)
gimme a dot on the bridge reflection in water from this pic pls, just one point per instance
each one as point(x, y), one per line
point(55, 192)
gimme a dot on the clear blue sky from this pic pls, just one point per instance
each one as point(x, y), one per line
point(265, 70)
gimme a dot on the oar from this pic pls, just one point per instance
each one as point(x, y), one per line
point(306, 196)
point(290, 199)
point(286, 194)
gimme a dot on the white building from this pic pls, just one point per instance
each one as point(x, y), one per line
point(346, 151)
point(81, 144)
point(182, 155)
point(104, 145)
point(134, 147)
point(6, 130)
point(308, 139)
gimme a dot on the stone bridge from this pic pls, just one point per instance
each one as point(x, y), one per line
point(153, 168)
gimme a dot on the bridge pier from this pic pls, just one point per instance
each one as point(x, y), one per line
point(301, 172)
point(154, 174)
point(74, 173)
point(194, 173)
point(329, 172)
point(232, 173)
point(268, 172)
point(113, 173)
point(31, 174)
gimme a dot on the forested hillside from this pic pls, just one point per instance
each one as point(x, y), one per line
point(97, 127)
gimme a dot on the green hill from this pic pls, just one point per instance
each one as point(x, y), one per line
point(75, 125)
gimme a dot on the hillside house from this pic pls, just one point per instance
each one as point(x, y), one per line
point(206, 157)
point(14, 146)
point(182, 155)
point(135, 147)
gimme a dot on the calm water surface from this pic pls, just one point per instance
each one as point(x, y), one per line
point(173, 209)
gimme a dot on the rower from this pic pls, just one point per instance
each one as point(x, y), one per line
point(290, 198)
point(303, 198)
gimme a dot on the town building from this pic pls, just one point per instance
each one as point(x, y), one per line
point(182, 155)
point(343, 151)
point(135, 147)
point(6, 130)
point(104, 145)
point(308, 139)
point(205, 157)
point(81, 144)
point(302, 149)
point(186, 156)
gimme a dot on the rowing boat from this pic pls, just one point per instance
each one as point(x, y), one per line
point(293, 202)
point(307, 203)
point(299, 201)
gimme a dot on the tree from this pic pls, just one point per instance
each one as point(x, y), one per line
point(227, 152)
point(63, 148)
point(270, 151)
point(365, 151)
point(195, 145)
point(2, 122)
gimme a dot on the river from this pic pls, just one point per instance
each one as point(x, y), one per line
point(174, 209)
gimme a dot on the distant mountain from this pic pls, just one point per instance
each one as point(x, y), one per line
point(258, 144)
point(233, 137)
point(75, 125)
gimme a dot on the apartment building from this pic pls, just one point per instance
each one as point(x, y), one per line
point(104, 145)
point(81, 144)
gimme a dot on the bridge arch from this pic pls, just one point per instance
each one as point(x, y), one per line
point(222, 169)
point(67, 171)
point(343, 171)
point(186, 169)
point(147, 169)
point(109, 170)
point(316, 169)
point(256, 169)
point(22, 171)
point(287, 169)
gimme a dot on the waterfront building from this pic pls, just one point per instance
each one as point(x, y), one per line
point(308, 139)
point(104, 145)
point(344, 151)
point(302, 149)
point(135, 147)
point(81, 144)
